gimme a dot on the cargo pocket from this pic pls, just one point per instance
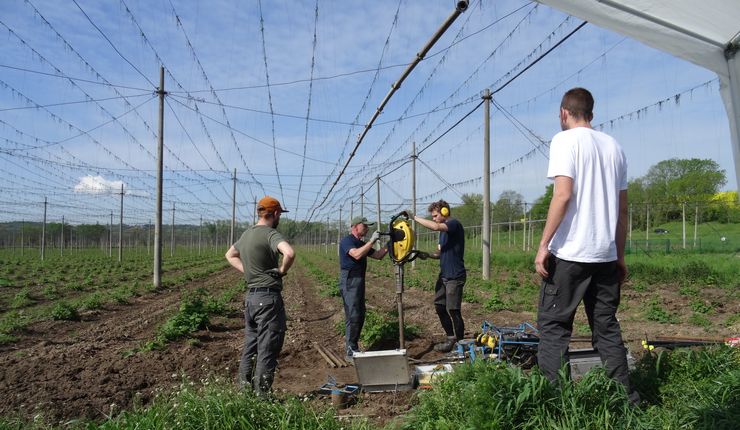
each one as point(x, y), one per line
point(549, 296)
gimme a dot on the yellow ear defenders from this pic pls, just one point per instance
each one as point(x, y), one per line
point(444, 211)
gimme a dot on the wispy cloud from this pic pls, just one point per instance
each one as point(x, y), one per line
point(99, 185)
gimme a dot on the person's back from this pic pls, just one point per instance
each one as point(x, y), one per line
point(257, 255)
point(258, 248)
point(598, 167)
point(581, 252)
point(452, 250)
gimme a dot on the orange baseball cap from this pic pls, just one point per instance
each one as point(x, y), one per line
point(271, 204)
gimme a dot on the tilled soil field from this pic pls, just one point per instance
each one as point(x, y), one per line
point(88, 369)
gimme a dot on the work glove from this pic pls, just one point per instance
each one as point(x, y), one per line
point(275, 273)
point(375, 237)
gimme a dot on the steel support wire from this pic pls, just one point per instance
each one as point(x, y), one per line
point(308, 109)
point(519, 125)
point(460, 7)
point(269, 99)
point(436, 175)
point(403, 161)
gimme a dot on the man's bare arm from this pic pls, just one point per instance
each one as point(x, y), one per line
point(234, 258)
point(561, 194)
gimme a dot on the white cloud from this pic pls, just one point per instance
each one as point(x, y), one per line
point(98, 185)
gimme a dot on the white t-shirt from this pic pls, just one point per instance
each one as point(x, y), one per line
point(598, 167)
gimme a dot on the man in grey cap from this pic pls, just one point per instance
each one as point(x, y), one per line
point(353, 253)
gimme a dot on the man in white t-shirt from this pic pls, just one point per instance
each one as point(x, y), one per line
point(581, 254)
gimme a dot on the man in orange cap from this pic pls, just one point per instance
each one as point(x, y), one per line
point(257, 255)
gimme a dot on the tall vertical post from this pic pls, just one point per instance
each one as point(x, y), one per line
point(233, 210)
point(683, 223)
point(319, 235)
point(399, 304)
point(486, 233)
point(413, 194)
point(326, 238)
point(61, 245)
point(43, 233)
point(172, 232)
point(362, 202)
point(377, 181)
point(254, 214)
point(630, 227)
point(339, 231)
point(696, 221)
point(157, 270)
point(647, 226)
point(351, 210)
point(110, 236)
point(149, 237)
point(508, 244)
point(200, 233)
point(524, 228)
point(23, 227)
point(120, 230)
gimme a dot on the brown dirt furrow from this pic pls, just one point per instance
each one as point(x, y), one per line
point(86, 368)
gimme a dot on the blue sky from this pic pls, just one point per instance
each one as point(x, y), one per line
point(78, 113)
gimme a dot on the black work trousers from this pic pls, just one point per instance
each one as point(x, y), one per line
point(597, 284)
point(352, 288)
point(264, 334)
point(447, 303)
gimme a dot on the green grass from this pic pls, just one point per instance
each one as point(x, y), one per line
point(214, 405)
point(684, 389)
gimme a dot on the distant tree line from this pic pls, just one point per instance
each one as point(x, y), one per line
point(668, 191)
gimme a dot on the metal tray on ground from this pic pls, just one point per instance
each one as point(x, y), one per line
point(379, 371)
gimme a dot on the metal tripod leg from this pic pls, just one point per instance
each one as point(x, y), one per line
point(399, 301)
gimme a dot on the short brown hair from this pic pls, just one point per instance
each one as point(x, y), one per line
point(438, 205)
point(579, 103)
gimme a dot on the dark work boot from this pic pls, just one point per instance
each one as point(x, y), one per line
point(245, 374)
point(446, 346)
point(263, 385)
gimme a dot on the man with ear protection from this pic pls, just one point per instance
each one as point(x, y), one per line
point(448, 291)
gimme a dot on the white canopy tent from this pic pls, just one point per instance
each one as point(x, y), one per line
point(706, 33)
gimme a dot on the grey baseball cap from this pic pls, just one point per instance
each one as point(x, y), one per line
point(361, 220)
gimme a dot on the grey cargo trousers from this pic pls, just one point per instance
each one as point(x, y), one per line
point(597, 284)
point(264, 334)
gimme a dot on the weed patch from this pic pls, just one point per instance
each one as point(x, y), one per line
point(64, 311)
point(655, 311)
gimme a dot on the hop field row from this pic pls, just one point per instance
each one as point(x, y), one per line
point(61, 287)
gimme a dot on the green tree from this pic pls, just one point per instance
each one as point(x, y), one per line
point(509, 206)
point(723, 207)
point(685, 179)
point(91, 232)
point(675, 181)
point(637, 198)
point(542, 204)
point(470, 212)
